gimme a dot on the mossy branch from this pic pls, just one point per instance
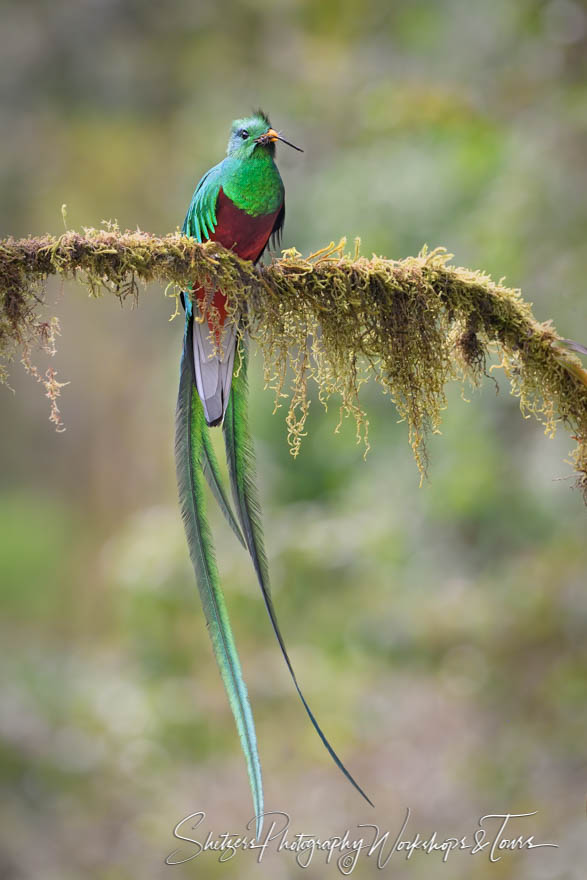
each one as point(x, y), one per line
point(412, 324)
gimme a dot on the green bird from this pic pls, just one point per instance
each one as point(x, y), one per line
point(240, 204)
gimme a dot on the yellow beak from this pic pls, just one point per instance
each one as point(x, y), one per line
point(271, 136)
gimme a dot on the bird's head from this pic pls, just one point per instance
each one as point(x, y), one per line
point(254, 133)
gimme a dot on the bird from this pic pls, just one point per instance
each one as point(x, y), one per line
point(239, 203)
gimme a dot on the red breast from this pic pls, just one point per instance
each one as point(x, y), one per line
point(246, 235)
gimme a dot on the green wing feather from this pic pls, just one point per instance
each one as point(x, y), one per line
point(200, 220)
point(241, 465)
point(189, 450)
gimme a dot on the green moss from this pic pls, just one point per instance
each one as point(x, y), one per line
point(333, 318)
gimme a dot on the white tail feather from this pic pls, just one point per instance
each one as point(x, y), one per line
point(213, 367)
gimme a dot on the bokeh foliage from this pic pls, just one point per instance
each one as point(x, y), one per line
point(439, 632)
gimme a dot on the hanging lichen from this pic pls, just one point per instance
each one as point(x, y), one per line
point(333, 318)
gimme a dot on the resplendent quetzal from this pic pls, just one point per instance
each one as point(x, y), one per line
point(240, 204)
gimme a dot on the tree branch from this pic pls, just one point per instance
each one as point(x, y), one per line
point(412, 324)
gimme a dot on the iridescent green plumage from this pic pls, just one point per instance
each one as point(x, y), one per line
point(189, 451)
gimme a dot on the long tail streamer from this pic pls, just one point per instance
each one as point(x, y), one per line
point(192, 458)
point(241, 466)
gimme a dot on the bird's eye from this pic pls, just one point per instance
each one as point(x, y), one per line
point(244, 134)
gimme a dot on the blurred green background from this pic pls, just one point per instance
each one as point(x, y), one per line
point(439, 633)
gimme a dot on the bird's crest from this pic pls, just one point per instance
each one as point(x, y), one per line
point(262, 115)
